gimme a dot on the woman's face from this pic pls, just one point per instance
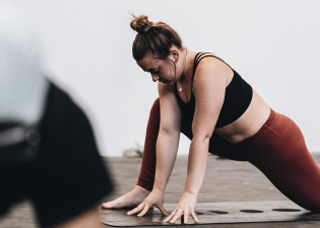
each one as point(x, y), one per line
point(161, 70)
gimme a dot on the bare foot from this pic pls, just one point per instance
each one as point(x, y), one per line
point(130, 199)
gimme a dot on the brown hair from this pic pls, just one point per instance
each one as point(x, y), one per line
point(155, 37)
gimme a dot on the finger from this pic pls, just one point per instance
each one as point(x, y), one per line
point(107, 205)
point(163, 210)
point(170, 216)
point(193, 215)
point(144, 210)
point(185, 217)
point(136, 209)
point(176, 217)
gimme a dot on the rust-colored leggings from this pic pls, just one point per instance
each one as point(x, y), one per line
point(278, 149)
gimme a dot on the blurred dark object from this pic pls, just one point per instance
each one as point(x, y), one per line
point(18, 143)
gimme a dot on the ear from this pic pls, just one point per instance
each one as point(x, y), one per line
point(174, 55)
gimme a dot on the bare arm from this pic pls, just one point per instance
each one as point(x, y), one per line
point(168, 138)
point(166, 149)
point(209, 86)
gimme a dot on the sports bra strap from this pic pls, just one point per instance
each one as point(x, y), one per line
point(201, 55)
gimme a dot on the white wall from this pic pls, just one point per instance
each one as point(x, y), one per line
point(273, 44)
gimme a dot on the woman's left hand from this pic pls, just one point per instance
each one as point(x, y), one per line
point(184, 208)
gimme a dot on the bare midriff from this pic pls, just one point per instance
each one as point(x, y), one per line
point(249, 123)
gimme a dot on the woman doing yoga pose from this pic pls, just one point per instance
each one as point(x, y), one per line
point(207, 100)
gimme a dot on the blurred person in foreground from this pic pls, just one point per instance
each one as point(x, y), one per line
point(48, 152)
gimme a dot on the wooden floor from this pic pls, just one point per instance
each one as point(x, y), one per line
point(225, 181)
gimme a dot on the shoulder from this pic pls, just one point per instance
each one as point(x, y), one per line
point(212, 69)
point(208, 62)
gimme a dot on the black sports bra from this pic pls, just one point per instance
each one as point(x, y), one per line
point(238, 97)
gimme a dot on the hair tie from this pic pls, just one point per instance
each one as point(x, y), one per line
point(146, 29)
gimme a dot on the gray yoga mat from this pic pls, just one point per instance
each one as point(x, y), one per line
point(218, 213)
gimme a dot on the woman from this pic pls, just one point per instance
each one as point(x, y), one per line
point(204, 98)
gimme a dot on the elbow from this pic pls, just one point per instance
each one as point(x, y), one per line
point(202, 134)
point(170, 132)
point(205, 138)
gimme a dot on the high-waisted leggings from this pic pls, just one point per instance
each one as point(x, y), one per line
point(278, 149)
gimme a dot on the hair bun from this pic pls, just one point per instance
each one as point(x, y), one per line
point(141, 24)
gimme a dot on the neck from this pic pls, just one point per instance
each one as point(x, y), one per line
point(185, 65)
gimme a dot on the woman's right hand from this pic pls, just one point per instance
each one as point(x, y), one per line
point(130, 199)
point(154, 199)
